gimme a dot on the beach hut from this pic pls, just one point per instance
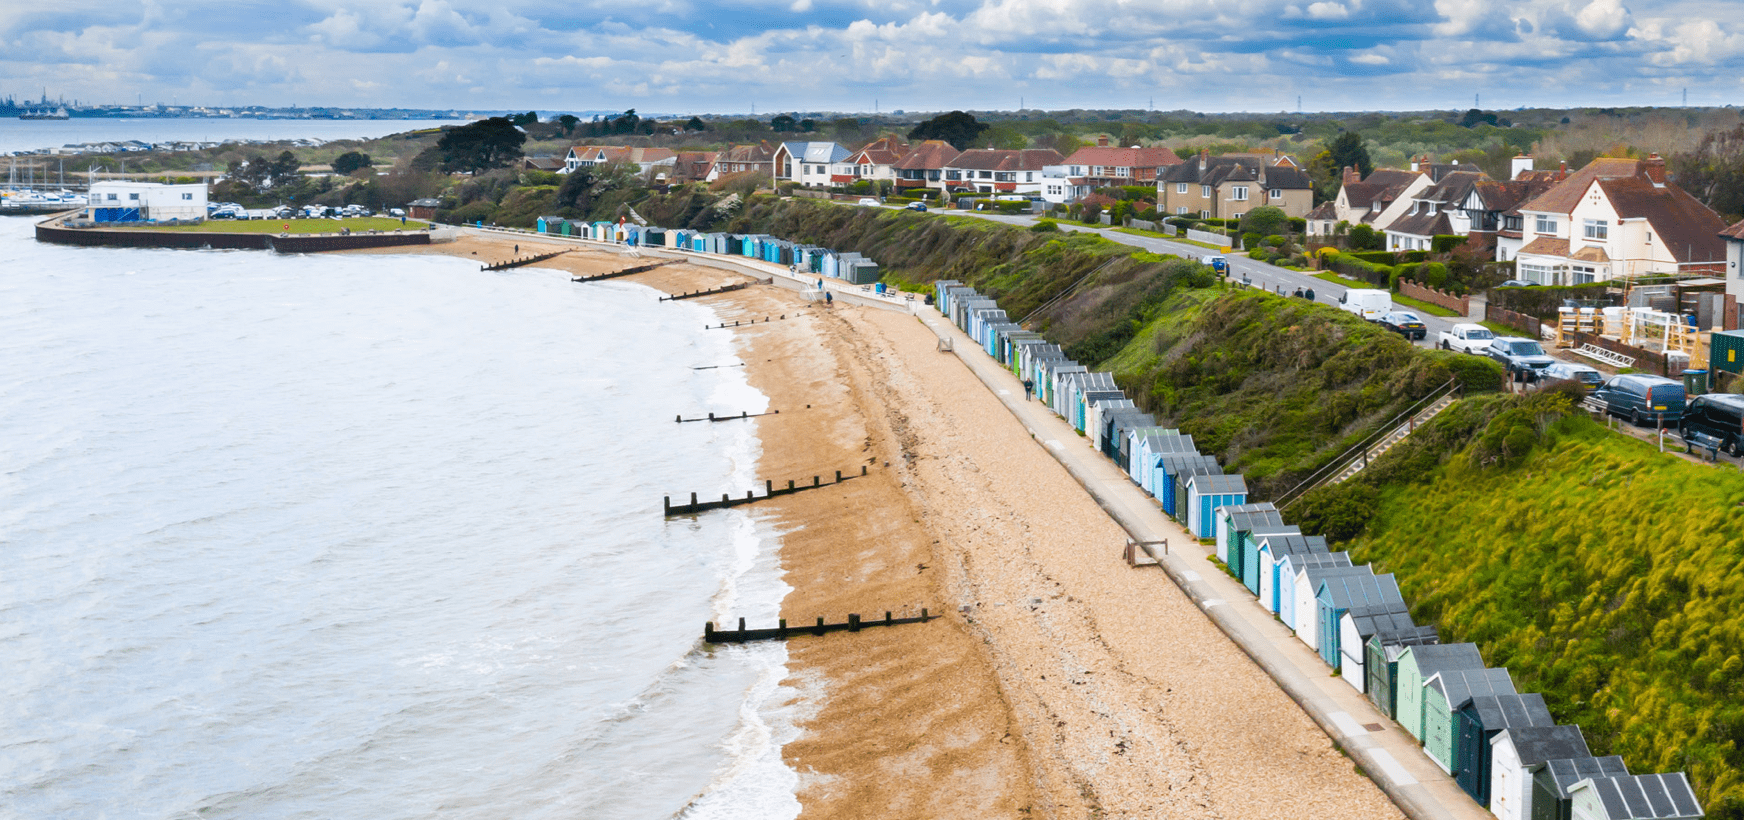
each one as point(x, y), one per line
point(1103, 414)
point(549, 224)
point(1442, 696)
point(1235, 519)
point(1089, 402)
point(1550, 784)
point(1482, 717)
point(1169, 478)
point(1205, 493)
point(941, 295)
point(1061, 377)
point(1516, 755)
point(1305, 618)
point(1355, 627)
point(1339, 594)
point(676, 238)
point(1148, 446)
point(1091, 383)
point(962, 311)
point(1120, 436)
point(653, 237)
point(1268, 550)
point(603, 232)
point(1039, 367)
point(1634, 797)
point(1381, 666)
point(997, 335)
point(1291, 568)
point(1418, 664)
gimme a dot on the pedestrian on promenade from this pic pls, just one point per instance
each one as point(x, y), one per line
point(1309, 294)
point(1028, 388)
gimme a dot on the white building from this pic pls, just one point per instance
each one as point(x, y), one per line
point(812, 164)
point(146, 202)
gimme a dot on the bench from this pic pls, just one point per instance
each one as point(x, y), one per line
point(1609, 357)
point(1704, 442)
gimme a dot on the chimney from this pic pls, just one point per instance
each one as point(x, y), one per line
point(1204, 159)
point(1520, 165)
point(1416, 165)
point(1562, 172)
point(1351, 175)
point(1654, 168)
point(1102, 141)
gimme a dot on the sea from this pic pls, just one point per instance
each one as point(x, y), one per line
point(357, 536)
point(32, 135)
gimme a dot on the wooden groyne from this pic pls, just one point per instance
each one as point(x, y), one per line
point(781, 633)
point(525, 260)
point(749, 322)
point(696, 293)
point(625, 272)
point(742, 415)
point(717, 366)
point(769, 491)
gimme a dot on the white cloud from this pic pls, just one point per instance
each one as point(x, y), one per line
point(1603, 19)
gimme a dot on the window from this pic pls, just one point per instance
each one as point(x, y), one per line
point(1029, 176)
point(1180, 187)
point(187, 196)
point(1235, 216)
point(1123, 172)
point(1277, 193)
point(1095, 170)
point(1597, 229)
point(1238, 193)
point(986, 174)
point(113, 197)
point(1204, 214)
point(1584, 275)
point(1181, 211)
point(1649, 237)
point(1539, 274)
point(1205, 191)
point(133, 197)
point(1545, 225)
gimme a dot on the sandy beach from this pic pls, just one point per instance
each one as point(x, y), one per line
point(1061, 683)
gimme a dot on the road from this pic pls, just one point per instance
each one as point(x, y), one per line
point(1257, 273)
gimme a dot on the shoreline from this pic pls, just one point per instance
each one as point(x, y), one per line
point(1060, 684)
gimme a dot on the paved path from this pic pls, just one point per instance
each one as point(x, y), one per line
point(1390, 756)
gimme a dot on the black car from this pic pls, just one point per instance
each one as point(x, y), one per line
point(1720, 415)
point(1643, 398)
point(1404, 323)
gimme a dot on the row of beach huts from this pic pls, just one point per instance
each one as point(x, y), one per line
point(850, 267)
point(1501, 746)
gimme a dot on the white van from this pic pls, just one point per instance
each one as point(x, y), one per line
point(1369, 304)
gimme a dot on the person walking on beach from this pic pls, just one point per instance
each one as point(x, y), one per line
point(829, 298)
point(1028, 388)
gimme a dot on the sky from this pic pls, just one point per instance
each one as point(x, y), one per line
point(739, 56)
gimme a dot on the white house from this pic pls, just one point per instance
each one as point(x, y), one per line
point(146, 202)
point(997, 171)
point(1615, 218)
point(811, 164)
point(1734, 238)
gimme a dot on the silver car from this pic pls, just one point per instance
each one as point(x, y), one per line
point(1565, 371)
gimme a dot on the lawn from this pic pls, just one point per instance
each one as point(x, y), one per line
point(358, 225)
point(1418, 304)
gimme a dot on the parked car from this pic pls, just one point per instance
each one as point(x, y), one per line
point(1405, 323)
point(1523, 358)
point(1216, 262)
point(1568, 372)
point(1368, 303)
point(1720, 415)
point(1517, 283)
point(1467, 338)
point(917, 206)
point(1642, 398)
point(868, 200)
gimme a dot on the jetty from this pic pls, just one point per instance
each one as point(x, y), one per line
point(781, 633)
point(769, 491)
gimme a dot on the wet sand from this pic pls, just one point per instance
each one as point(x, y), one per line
point(1061, 683)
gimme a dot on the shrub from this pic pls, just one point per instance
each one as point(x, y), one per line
point(1274, 241)
point(1092, 214)
point(1365, 238)
point(1298, 224)
point(1477, 374)
point(1250, 240)
point(1265, 220)
point(1339, 512)
point(1446, 243)
point(1407, 271)
point(1378, 257)
point(1045, 226)
point(1434, 274)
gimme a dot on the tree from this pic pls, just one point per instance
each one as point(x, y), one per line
point(783, 123)
point(1365, 238)
point(568, 121)
point(695, 124)
point(528, 118)
point(1265, 220)
point(626, 123)
point(1714, 172)
point(351, 162)
point(481, 146)
point(1348, 151)
point(957, 128)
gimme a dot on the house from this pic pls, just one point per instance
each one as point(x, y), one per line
point(1290, 567)
point(1438, 210)
point(1368, 200)
point(1483, 717)
point(877, 160)
point(545, 163)
point(423, 208)
point(741, 159)
point(1734, 239)
point(1442, 696)
point(999, 171)
point(1616, 218)
point(1356, 627)
point(1306, 618)
point(1342, 593)
point(1228, 186)
point(696, 166)
point(1417, 664)
point(1235, 519)
point(1516, 755)
point(1205, 493)
point(646, 160)
point(1381, 666)
point(808, 163)
point(118, 201)
point(923, 167)
point(1102, 166)
point(1634, 797)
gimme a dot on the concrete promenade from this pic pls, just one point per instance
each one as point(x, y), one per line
point(1384, 750)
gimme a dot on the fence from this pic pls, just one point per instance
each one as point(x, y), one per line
point(1519, 321)
point(1646, 361)
point(1439, 298)
point(1209, 237)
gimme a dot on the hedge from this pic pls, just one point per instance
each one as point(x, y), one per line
point(1445, 243)
point(1377, 257)
point(1543, 300)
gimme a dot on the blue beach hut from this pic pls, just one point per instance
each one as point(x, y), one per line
point(1205, 493)
point(1338, 595)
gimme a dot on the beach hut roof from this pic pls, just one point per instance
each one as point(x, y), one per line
point(1394, 641)
point(1105, 398)
point(1174, 463)
point(1538, 744)
point(1290, 543)
point(1375, 620)
point(1460, 685)
point(1445, 657)
point(1314, 560)
point(1564, 773)
point(1100, 380)
point(1646, 796)
point(1247, 516)
point(1348, 591)
point(1218, 484)
point(1502, 711)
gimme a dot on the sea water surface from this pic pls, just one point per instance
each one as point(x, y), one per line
point(371, 536)
point(33, 135)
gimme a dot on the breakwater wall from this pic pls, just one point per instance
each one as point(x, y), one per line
point(293, 243)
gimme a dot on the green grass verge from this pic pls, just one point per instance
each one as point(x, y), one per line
point(1418, 304)
point(1336, 279)
point(1181, 239)
point(358, 225)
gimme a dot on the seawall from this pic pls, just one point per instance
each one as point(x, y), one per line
point(51, 231)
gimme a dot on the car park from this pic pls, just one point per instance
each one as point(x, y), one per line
point(1570, 372)
point(1405, 323)
point(1523, 358)
point(1642, 398)
point(1720, 415)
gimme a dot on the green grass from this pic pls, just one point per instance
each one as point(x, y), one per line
point(1599, 572)
point(1502, 330)
point(359, 225)
point(1418, 304)
point(1181, 239)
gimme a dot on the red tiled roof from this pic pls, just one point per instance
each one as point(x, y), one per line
point(1547, 246)
point(1123, 157)
point(1734, 232)
point(994, 159)
point(1689, 229)
point(928, 156)
point(1562, 197)
point(882, 151)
